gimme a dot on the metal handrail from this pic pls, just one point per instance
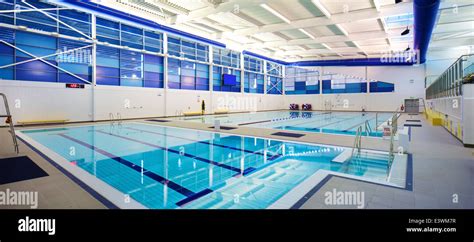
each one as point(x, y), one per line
point(368, 129)
point(10, 119)
point(357, 141)
point(394, 127)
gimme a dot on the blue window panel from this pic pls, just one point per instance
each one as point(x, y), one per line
point(107, 23)
point(202, 81)
point(202, 87)
point(77, 20)
point(131, 82)
point(36, 65)
point(173, 85)
point(312, 87)
point(36, 51)
point(6, 59)
point(67, 78)
point(76, 68)
point(7, 19)
point(188, 80)
point(7, 35)
point(108, 62)
point(235, 89)
point(110, 81)
point(226, 88)
point(36, 75)
point(153, 76)
point(130, 74)
point(130, 29)
point(312, 91)
point(25, 38)
point(6, 73)
point(153, 59)
point(173, 78)
point(216, 88)
point(154, 84)
point(36, 20)
point(107, 71)
point(108, 40)
point(187, 72)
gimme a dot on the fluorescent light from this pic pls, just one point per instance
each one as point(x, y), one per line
point(377, 5)
point(325, 45)
point(200, 27)
point(342, 29)
point(274, 12)
point(306, 33)
point(322, 8)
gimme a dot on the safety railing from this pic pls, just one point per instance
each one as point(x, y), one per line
point(357, 142)
point(9, 118)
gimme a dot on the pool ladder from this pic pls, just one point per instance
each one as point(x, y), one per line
point(10, 121)
point(368, 129)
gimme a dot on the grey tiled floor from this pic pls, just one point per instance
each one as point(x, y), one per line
point(442, 167)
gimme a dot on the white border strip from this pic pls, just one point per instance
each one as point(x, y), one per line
point(108, 192)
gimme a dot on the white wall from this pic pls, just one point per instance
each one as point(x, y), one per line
point(408, 80)
point(48, 101)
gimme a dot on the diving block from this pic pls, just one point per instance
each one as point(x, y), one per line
point(192, 113)
point(343, 157)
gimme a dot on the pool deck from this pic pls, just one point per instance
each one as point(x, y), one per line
point(441, 167)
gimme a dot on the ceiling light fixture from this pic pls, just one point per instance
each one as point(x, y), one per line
point(398, 1)
point(408, 48)
point(321, 8)
point(274, 12)
point(306, 33)
point(342, 29)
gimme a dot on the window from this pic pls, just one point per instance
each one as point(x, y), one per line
point(253, 64)
point(253, 82)
point(301, 81)
point(218, 84)
point(187, 75)
point(226, 57)
point(187, 49)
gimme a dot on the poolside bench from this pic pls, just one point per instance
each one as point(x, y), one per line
point(221, 111)
point(49, 121)
point(196, 113)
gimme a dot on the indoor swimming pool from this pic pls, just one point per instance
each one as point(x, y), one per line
point(150, 166)
point(308, 121)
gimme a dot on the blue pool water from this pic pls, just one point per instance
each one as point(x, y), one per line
point(315, 121)
point(162, 167)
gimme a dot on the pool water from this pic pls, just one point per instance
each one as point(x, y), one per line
point(166, 168)
point(322, 122)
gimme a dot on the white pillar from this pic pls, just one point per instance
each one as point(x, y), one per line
point(165, 72)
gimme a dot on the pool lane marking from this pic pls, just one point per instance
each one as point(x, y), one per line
point(359, 124)
point(198, 141)
point(175, 151)
point(321, 117)
point(178, 188)
point(256, 122)
point(319, 127)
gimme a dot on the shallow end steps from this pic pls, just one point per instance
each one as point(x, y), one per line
point(343, 157)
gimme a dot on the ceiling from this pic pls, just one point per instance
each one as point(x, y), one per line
point(309, 29)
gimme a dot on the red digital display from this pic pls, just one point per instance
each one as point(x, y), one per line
point(74, 85)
